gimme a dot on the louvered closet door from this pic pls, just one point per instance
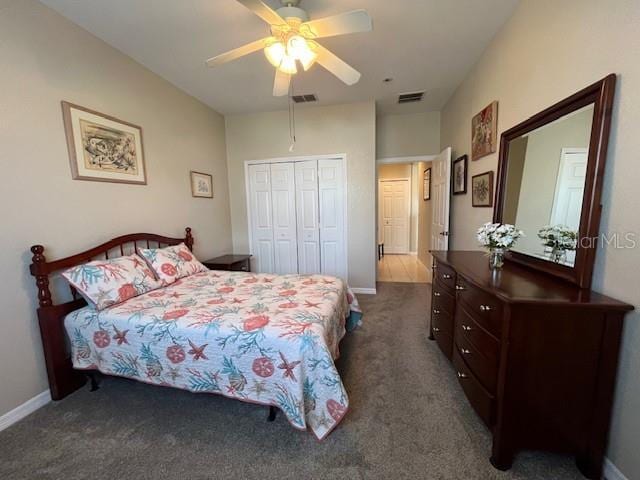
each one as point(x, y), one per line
point(283, 201)
point(261, 218)
point(331, 199)
point(307, 216)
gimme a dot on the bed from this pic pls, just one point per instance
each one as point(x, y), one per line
point(260, 338)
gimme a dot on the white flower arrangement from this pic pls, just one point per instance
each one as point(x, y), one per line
point(497, 235)
point(558, 237)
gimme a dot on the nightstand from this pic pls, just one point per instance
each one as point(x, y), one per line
point(233, 263)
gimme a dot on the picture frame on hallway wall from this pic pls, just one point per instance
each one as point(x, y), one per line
point(103, 148)
point(459, 176)
point(484, 132)
point(201, 185)
point(482, 190)
point(426, 184)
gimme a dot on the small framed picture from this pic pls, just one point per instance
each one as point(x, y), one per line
point(484, 132)
point(482, 190)
point(103, 148)
point(460, 175)
point(201, 185)
point(426, 185)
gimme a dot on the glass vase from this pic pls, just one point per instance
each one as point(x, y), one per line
point(496, 258)
point(558, 255)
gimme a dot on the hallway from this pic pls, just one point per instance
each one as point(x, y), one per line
point(402, 268)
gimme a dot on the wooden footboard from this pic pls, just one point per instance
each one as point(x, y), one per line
point(63, 379)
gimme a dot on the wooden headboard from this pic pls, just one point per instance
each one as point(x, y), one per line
point(63, 379)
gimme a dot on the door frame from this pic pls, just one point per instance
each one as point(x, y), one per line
point(337, 156)
point(399, 179)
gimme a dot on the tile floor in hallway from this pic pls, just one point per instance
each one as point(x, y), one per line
point(402, 268)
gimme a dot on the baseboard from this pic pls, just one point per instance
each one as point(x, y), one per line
point(25, 409)
point(364, 291)
point(415, 254)
point(611, 472)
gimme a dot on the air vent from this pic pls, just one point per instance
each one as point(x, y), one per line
point(410, 97)
point(305, 98)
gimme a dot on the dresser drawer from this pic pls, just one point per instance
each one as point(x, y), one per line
point(445, 277)
point(484, 368)
point(481, 400)
point(442, 321)
point(442, 300)
point(468, 329)
point(444, 340)
point(483, 307)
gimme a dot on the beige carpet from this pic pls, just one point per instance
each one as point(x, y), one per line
point(408, 419)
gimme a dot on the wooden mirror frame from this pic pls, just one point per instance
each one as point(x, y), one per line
point(601, 95)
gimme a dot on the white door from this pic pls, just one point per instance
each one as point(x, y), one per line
point(283, 199)
point(394, 214)
point(567, 202)
point(331, 200)
point(307, 212)
point(261, 218)
point(440, 198)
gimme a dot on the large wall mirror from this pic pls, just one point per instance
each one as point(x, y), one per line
point(550, 180)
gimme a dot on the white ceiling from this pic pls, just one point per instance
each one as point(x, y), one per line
point(422, 44)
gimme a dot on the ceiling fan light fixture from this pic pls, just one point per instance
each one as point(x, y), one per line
point(288, 65)
point(275, 53)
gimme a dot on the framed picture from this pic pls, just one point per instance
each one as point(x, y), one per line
point(484, 132)
point(482, 190)
point(103, 148)
point(201, 185)
point(459, 176)
point(426, 185)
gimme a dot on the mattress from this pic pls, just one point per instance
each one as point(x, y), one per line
point(261, 338)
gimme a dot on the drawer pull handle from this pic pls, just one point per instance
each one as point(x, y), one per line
point(466, 328)
point(446, 276)
point(435, 329)
point(460, 288)
point(462, 375)
point(436, 311)
point(485, 308)
point(465, 351)
point(436, 294)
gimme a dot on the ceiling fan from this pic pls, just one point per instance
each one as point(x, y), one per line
point(292, 41)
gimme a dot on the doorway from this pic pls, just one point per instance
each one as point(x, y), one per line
point(409, 227)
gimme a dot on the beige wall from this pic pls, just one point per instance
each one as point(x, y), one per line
point(547, 51)
point(406, 135)
point(47, 59)
point(348, 129)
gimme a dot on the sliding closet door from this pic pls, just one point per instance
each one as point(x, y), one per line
point(261, 218)
point(332, 200)
point(283, 200)
point(307, 214)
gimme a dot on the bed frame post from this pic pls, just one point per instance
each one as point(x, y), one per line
point(188, 239)
point(63, 379)
point(42, 281)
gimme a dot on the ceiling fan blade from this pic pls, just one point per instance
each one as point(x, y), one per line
point(349, 22)
point(238, 52)
point(338, 67)
point(265, 12)
point(281, 84)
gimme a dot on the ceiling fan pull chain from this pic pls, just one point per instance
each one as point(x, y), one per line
point(292, 118)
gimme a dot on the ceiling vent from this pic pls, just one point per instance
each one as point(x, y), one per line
point(305, 98)
point(410, 97)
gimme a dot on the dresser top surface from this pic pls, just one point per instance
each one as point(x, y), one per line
point(514, 283)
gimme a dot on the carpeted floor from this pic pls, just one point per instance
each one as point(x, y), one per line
point(407, 419)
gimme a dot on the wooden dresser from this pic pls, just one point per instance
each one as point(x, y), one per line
point(535, 356)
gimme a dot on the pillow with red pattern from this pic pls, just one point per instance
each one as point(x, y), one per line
point(104, 283)
point(172, 263)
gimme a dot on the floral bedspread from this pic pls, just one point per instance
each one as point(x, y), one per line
point(262, 338)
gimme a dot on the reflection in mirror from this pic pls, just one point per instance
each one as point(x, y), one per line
point(546, 172)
